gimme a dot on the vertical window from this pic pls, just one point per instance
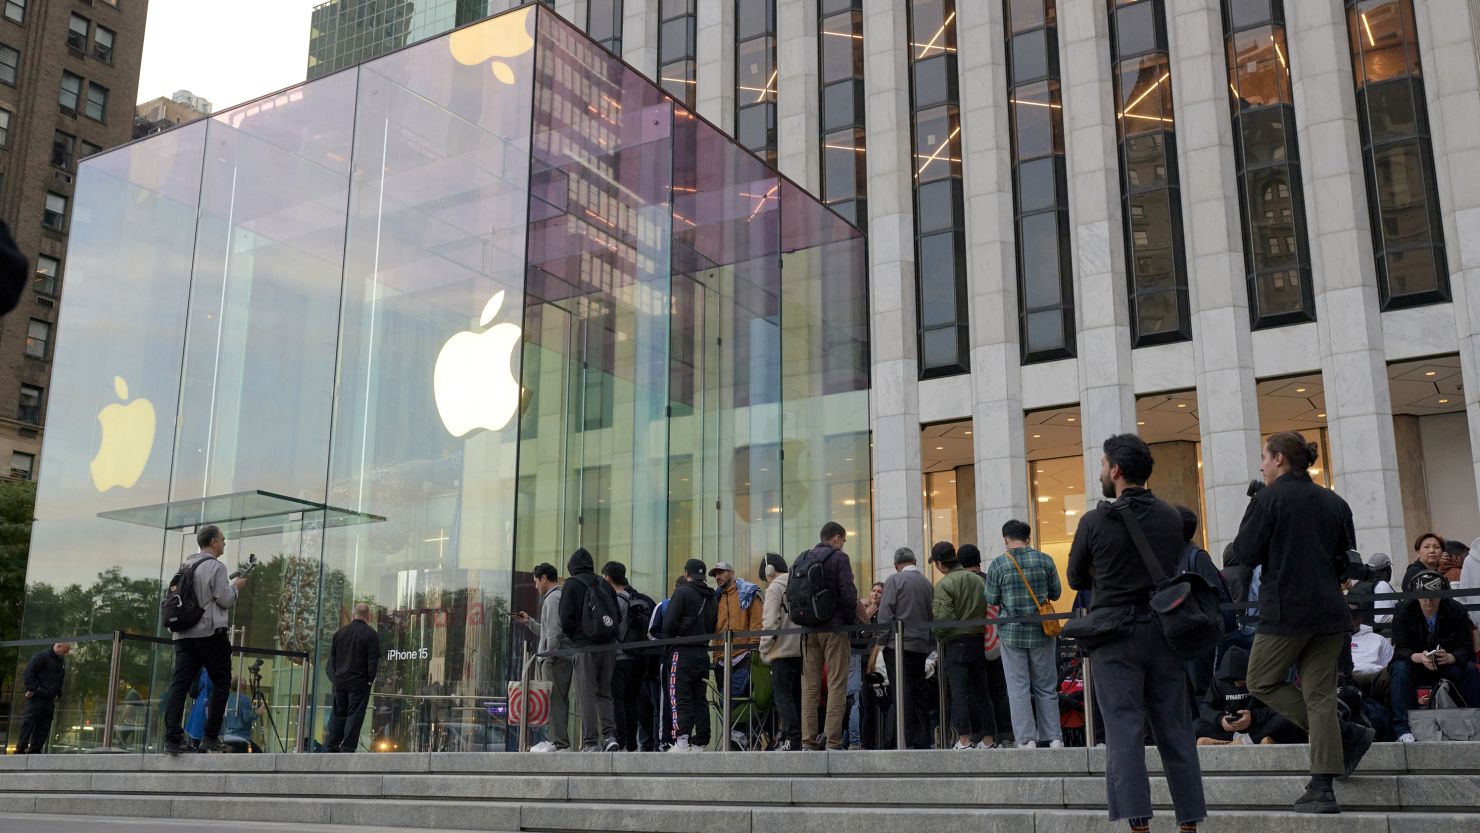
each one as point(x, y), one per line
point(4, 128)
point(88, 149)
point(676, 53)
point(1402, 190)
point(1156, 266)
point(1040, 187)
point(55, 216)
point(38, 339)
point(22, 465)
point(604, 24)
point(15, 10)
point(103, 44)
point(71, 93)
point(940, 242)
point(63, 150)
point(10, 64)
point(48, 269)
point(29, 407)
point(755, 76)
point(840, 65)
point(1276, 251)
point(97, 102)
point(77, 32)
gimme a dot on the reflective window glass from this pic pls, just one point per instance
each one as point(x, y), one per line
point(937, 144)
point(1135, 28)
point(757, 127)
point(1045, 330)
point(756, 76)
point(1243, 13)
point(1023, 15)
point(841, 46)
point(932, 28)
point(842, 105)
point(1037, 183)
point(937, 206)
point(1266, 135)
point(1261, 68)
point(1031, 55)
point(754, 17)
point(1038, 125)
point(940, 258)
point(935, 81)
point(676, 39)
point(10, 61)
point(843, 168)
point(940, 349)
point(1039, 240)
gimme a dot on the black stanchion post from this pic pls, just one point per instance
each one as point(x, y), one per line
point(524, 703)
point(901, 714)
point(726, 700)
point(115, 663)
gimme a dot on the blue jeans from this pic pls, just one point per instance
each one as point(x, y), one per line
point(1033, 680)
point(1408, 675)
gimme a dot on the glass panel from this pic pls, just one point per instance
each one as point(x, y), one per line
point(1038, 120)
point(937, 144)
point(1037, 185)
point(1031, 55)
point(1267, 135)
point(1279, 292)
point(1261, 67)
point(1411, 272)
point(1272, 218)
point(678, 81)
point(1146, 164)
point(1392, 111)
point(671, 8)
point(1402, 198)
point(757, 127)
point(1157, 313)
point(1383, 39)
point(842, 47)
point(938, 206)
point(755, 77)
point(940, 349)
point(932, 28)
point(843, 168)
point(676, 39)
point(1243, 13)
point(1152, 240)
point(1026, 14)
point(1135, 28)
point(754, 17)
point(941, 258)
point(1144, 94)
point(1045, 330)
point(842, 105)
point(1039, 242)
point(935, 81)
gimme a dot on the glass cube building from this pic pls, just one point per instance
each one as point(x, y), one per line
point(405, 332)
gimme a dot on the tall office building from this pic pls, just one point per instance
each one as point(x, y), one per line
point(1201, 220)
point(345, 32)
point(69, 74)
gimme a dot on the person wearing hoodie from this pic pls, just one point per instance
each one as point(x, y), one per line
point(960, 596)
point(1137, 677)
point(591, 671)
point(554, 670)
point(829, 652)
point(690, 612)
point(908, 598)
point(782, 653)
point(1228, 710)
point(741, 609)
point(1300, 532)
point(1431, 642)
point(1469, 579)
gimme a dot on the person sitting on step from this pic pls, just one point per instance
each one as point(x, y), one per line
point(1228, 713)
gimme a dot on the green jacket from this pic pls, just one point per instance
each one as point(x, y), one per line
point(958, 595)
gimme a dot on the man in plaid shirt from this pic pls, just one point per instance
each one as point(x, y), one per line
point(1029, 657)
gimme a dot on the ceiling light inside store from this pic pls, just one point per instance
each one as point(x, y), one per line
point(1072, 419)
point(1044, 499)
point(1431, 373)
point(1443, 401)
point(1181, 404)
point(1300, 390)
point(1322, 416)
point(1037, 436)
point(1315, 471)
point(1070, 512)
point(1141, 422)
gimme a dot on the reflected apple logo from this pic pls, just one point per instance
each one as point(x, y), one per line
point(127, 439)
point(474, 378)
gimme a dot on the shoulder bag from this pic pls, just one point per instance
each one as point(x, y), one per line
point(1186, 605)
point(1051, 627)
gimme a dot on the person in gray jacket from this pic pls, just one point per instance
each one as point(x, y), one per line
point(554, 670)
point(206, 645)
point(782, 653)
point(909, 597)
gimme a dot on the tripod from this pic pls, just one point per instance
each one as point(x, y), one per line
point(259, 701)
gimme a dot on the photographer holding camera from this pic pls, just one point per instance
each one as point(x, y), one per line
point(203, 644)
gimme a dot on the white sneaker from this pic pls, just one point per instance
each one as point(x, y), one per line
point(680, 745)
point(1055, 744)
point(1407, 738)
point(960, 745)
point(544, 746)
point(981, 744)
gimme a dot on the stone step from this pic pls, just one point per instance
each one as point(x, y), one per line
point(694, 817)
point(1389, 758)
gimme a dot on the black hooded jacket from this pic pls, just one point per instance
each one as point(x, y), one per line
point(581, 579)
point(691, 611)
point(1104, 557)
point(45, 674)
point(1299, 532)
point(1224, 697)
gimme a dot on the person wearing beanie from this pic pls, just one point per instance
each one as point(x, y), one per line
point(1432, 642)
point(591, 671)
point(1300, 533)
point(1227, 710)
point(691, 612)
point(959, 596)
point(782, 653)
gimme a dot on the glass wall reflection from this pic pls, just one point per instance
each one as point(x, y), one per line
point(408, 330)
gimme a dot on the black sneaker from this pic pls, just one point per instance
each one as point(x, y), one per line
point(1355, 741)
point(612, 745)
point(213, 745)
point(1318, 800)
point(173, 748)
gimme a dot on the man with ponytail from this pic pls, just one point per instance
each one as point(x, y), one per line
point(1299, 533)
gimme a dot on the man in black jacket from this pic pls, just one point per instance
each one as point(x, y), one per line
point(829, 651)
point(1299, 533)
point(1137, 677)
point(1431, 642)
point(354, 659)
point(691, 611)
point(591, 671)
point(45, 674)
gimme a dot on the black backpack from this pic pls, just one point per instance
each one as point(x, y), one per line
point(601, 618)
point(809, 599)
point(639, 617)
point(181, 610)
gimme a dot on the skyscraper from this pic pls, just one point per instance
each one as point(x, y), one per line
point(69, 75)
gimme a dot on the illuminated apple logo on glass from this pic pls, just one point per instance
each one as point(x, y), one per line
point(474, 379)
point(127, 439)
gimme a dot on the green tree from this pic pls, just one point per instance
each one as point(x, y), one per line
point(17, 508)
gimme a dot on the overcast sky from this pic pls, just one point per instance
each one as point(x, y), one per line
point(227, 51)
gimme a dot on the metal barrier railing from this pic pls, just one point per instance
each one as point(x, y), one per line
point(727, 641)
point(117, 638)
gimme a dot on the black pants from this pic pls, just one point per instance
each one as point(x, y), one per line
point(689, 692)
point(1276, 728)
point(972, 712)
point(786, 685)
point(1138, 678)
point(213, 653)
point(917, 699)
point(633, 710)
point(36, 725)
point(350, 700)
point(1001, 703)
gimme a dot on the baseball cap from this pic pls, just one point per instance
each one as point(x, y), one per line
point(693, 567)
point(1430, 580)
point(719, 567)
point(1379, 560)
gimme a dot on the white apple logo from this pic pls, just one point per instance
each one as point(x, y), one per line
point(128, 437)
point(474, 378)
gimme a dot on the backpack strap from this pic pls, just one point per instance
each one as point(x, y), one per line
point(1133, 526)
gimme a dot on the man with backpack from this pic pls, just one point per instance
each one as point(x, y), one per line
point(634, 710)
point(690, 612)
point(1195, 559)
point(821, 594)
point(197, 612)
point(590, 616)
